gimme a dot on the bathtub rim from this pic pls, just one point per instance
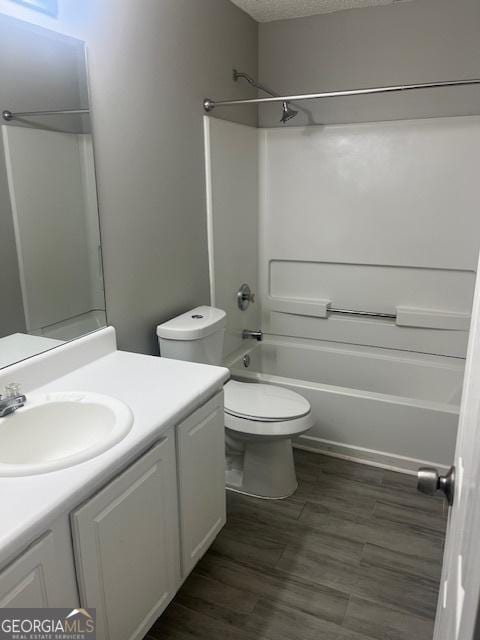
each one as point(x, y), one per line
point(354, 452)
point(377, 353)
point(269, 378)
point(389, 461)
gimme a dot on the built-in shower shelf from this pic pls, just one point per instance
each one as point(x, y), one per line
point(432, 319)
point(297, 306)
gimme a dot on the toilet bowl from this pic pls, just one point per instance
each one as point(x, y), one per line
point(260, 419)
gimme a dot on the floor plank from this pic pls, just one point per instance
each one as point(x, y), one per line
point(355, 554)
point(304, 594)
point(248, 549)
point(383, 622)
point(391, 512)
point(408, 563)
point(403, 537)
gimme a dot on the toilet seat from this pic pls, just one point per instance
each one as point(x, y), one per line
point(266, 411)
point(263, 402)
point(271, 430)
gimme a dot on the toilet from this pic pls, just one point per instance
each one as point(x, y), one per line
point(260, 419)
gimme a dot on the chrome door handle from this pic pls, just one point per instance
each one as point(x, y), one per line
point(429, 481)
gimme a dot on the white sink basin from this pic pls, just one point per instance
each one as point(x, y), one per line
point(57, 430)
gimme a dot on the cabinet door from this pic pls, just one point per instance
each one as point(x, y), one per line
point(33, 580)
point(201, 477)
point(126, 546)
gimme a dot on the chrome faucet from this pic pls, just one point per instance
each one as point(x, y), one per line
point(13, 399)
point(257, 335)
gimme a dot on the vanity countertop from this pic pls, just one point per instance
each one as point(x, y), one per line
point(160, 392)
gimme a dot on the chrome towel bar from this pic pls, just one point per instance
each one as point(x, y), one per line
point(352, 312)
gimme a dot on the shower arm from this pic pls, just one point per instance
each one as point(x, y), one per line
point(287, 112)
point(209, 104)
point(254, 83)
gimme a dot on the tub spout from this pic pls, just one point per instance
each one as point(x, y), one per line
point(257, 335)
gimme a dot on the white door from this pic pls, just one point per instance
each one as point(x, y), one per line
point(460, 586)
point(35, 579)
point(201, 479)
point(126, 546)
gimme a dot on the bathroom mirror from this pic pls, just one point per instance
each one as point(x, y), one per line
point(51, 281)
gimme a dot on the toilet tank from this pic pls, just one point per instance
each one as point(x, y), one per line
point(196, 336)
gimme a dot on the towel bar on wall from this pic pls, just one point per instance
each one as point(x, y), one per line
point(352, 312)
point(320, 308)
point(403, 316)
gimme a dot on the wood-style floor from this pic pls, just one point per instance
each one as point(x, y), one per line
point(355, 554)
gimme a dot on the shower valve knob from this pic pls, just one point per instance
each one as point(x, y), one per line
point(245, 296)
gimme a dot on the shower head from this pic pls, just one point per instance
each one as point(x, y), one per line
point(287, 112)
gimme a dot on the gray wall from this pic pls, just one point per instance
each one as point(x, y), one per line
point(150, 70)
point(151, 64)
point(407, 42)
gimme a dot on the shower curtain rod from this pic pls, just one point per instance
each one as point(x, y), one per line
point(209, 104)
point(9, 115)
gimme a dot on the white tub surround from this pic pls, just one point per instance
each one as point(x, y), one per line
point(356, 217)
point(231, 165)
point(177, 409)
point(359, 217)
point(382, 407)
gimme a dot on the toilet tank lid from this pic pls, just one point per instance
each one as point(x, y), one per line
point(194, 324)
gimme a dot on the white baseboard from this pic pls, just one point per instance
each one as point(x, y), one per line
point(370, 457)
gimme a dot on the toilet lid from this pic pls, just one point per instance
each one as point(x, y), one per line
point(263, 402)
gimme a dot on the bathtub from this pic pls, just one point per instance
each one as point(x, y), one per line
point(387, 408)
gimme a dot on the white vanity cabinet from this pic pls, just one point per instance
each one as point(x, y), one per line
point(136, 540)
point(140, 536)
point(201, 480)
point(126, 545)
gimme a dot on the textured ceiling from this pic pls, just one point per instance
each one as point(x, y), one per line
point(268, 10)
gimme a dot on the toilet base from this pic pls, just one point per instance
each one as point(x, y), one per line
point(260, 467)
point(252, 495)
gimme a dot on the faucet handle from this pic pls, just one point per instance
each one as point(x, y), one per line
point(244, 297)
point(13, 390)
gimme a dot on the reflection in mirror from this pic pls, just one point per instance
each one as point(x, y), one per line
point(51, 280)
